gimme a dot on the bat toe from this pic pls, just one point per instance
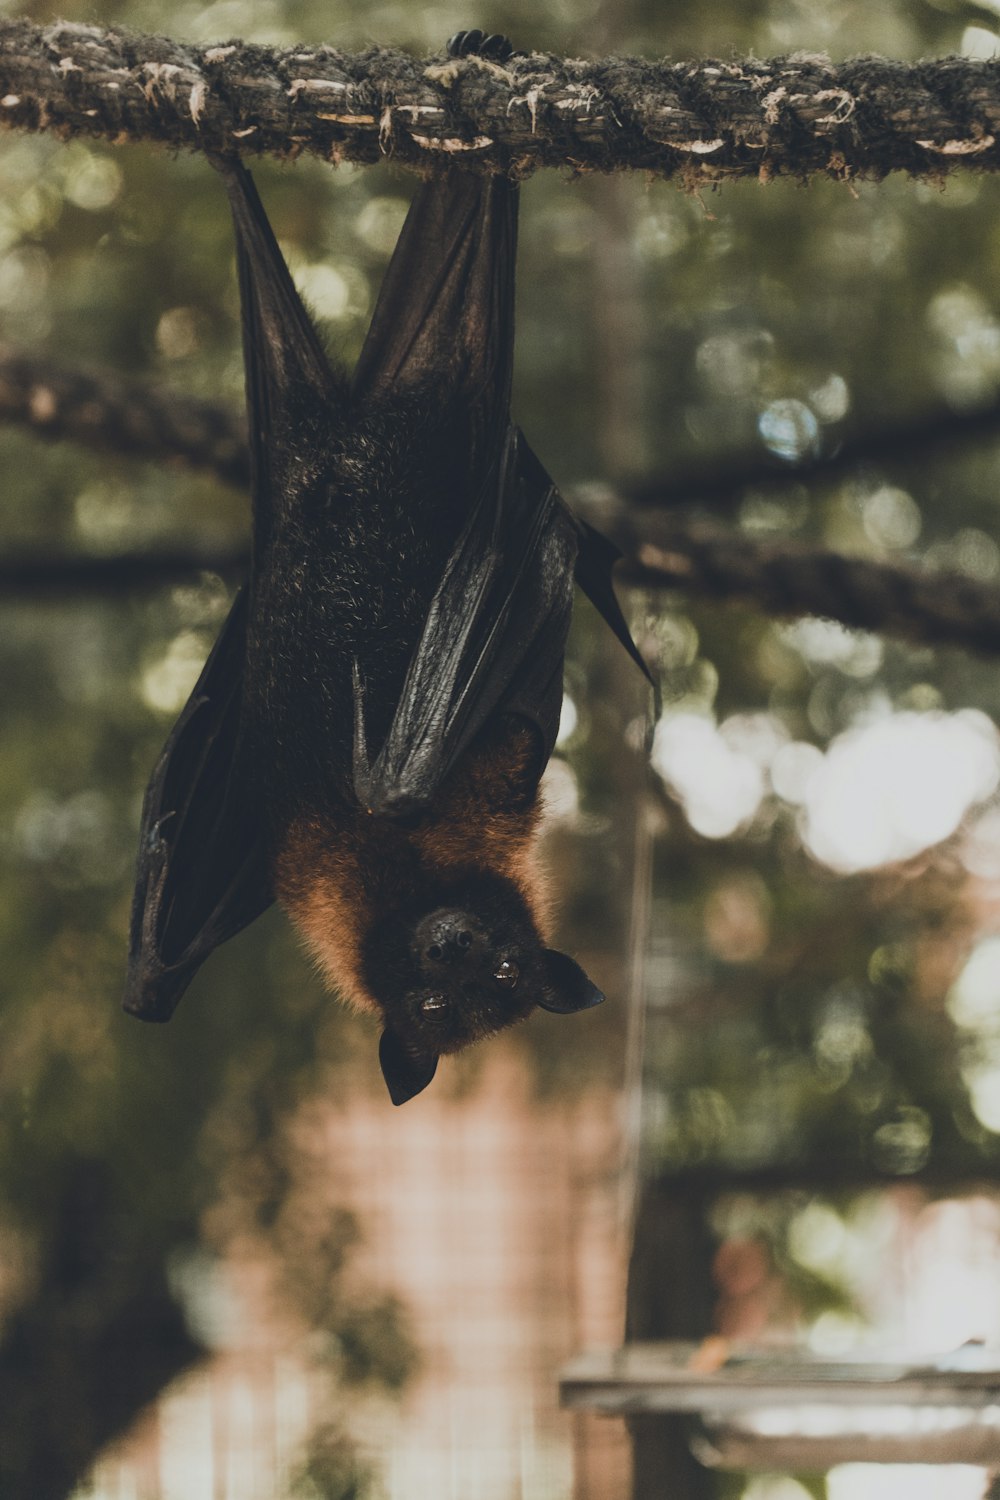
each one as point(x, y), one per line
point(494, 47)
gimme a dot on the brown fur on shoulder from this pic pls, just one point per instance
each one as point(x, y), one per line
point(338, 875)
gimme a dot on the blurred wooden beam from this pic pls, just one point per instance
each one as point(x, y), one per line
point(679, 1376)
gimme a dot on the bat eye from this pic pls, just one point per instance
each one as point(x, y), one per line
point(433, 1005)
point(506, 974)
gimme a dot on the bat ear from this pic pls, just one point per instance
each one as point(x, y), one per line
point(567, 987)
point(406, 1074)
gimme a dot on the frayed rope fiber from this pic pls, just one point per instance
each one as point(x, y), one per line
point(699, 121)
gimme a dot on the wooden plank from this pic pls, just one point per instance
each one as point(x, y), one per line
point(680, 1377)
point(969, 1441)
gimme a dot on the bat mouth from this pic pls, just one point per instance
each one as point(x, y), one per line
point(454, 1027)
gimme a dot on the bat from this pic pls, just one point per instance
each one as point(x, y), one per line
point(366, 739)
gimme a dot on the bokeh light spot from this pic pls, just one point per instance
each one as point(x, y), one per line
point(720, 787)
point(789, 429)
point(891, 788)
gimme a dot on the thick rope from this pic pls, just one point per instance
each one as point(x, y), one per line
point(700, 121)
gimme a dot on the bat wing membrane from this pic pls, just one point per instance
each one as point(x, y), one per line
point(444, 320)
point(595, 560)
point(496, 626)
point(495, 634)
point(493, 641)
point(202, 873)
point(287, 371)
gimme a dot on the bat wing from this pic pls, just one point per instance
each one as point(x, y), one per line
point(288, 376)
point(495, 635)
point(444, 320)
point(595, 561)
point(495, 631)
point(493, 641)
point(202, 872)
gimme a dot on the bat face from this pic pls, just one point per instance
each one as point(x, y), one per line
point(452, 972)
point(461, 978)
point(434, 924)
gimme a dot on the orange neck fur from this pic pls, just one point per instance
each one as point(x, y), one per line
point(337, 876)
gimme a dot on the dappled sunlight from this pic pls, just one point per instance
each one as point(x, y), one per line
point(904, 1482)
point(335, 293)
point(775, 1487)
point(891, 517)
point(167, 683)
point(967, 334)
point(721, 787)
point(560, 793)
point(923, 1277)
point(974, 1003)
point(882, 792)
point(857, 653)
point(890, 789)
point(789, 429)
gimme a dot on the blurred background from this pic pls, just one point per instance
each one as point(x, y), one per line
point(229, 1269)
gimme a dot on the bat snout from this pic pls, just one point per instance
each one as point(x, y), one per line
point(445, 937)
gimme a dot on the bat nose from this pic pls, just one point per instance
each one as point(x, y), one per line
point(445, 936)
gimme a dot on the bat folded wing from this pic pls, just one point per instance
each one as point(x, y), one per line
point(202, 871)
point(493, 641)
point(595, 560)
point(444, 320)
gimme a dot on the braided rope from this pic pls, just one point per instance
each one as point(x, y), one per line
point(699, 121)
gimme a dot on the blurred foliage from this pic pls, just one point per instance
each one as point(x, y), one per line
point(798, 1016)
point(330, 1471)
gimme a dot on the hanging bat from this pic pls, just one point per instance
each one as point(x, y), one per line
point(366, 739)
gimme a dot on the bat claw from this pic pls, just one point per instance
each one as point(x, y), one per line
point(494, 47)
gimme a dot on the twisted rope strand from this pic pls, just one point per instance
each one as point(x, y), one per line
point(699, 121)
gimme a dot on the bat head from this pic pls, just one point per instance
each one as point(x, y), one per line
point(463, 963)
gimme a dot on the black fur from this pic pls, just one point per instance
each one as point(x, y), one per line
point(348, 577)
point(474, 1002)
